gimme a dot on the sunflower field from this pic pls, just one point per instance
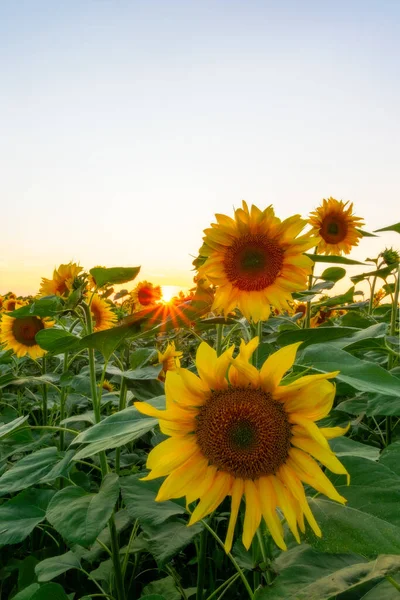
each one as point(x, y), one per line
point(240, 441)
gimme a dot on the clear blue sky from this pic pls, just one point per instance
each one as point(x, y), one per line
point(125, 125)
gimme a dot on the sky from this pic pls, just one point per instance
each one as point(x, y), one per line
point(125, 125)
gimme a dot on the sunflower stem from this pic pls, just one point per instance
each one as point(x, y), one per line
point(218, 342)
point(201, 564)
point(392, 332)
point(393, 582)
point(63, 396)
point(231, 558)
point(121, 406)
point(259, 332)
point(307, 320)
point(44, 392)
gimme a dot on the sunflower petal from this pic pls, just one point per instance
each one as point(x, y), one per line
point(276, 366)
point(252, 515)
point(208, 503)
point(236, 493)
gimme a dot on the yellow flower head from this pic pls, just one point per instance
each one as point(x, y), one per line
point(255, 260)
point(18, 335)
point(102, 314)
point(335, 223)
point(107, 386)
point(62, 281)
point(145, 295)
point(169, 360)
point(12, 304)
point(236, 431)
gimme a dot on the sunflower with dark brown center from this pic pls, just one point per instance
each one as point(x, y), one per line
point(18, 334)
point(335, 223)
point(145, 295)
point(255, 260)
point(61, 283)
point(235, 431)
point(102, 313)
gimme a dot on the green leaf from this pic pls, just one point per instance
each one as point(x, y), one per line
point(163, 587)
point(11, 426)
point(395, 227)
point(345, 298)
point(152, 597)
point(365, 233)
point(333, 274)
point(115, 275)
point(20, 515)
point(307, 575)
point(167, 539)
point(52, 567)
point(57, 341)
point(382, 591)
point(360, 374)
point(50, 591)
point(80, 517)
point(106, 341)
point(122, 520)
point(341, 260)
point(314, 336)
point(382, 273)
point(379, 404)
point(27, 593)
point(44, 307)
point(344, 446)
point(42, 466)
point(139, 497)
point(390, 457)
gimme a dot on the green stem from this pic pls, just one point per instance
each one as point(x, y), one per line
point(44, 392)
point(392, 332)
point(261, 543)
point(233, 561)
point(218, 346)
point(259, 331)
point(63, 396)
point(201, 563)
point(307, 319)
point(227, 584)
point(393, 582)
point(51, 427)
point(121, 406)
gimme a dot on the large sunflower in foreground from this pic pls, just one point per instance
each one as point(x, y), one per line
point(145, 295)
point(18, 335)
point(62, 281)
point(255, 260)
point(235, 431)
point(335, 223)
point(102, 314)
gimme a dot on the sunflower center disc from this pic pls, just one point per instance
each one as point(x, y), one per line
point(244, 432)
point(333, 229)
point(145, 296)
point(253, 262)
point(25, 329)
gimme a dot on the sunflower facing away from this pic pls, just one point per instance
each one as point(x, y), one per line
point(102, 314)
point(235, 431)
point(169, 359)
point(335, 223)
point(255, 260)
point(18, 335)
point(62, 281)
point(145, 295)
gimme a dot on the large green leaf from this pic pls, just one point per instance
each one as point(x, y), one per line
point(167, 539)
point(57, 341)
point(122, 520)
point(339, 260)
point(360, 374)
point(382, 273)
point(344, 446)
point(11, 426)
point(304, 574)
point(44, 307)
point(42, 466)
point(78, 516)
point(395, 227)
point(50, 591)
point(162, 587)
point(383, 590)
point(139, 497)
point(314, 336)
point(390, 457)
point(115, 275)
point(27, 593)
point(20, 515)
point(54, 566)
point(333, 274)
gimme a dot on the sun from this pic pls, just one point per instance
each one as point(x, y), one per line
point(168, 292)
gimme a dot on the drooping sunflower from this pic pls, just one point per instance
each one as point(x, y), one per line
point(235, 431)
point(18, 335)
point(145, 295)
point(336, 225)
point(169, 359)
point(255, 260)
point(108, 386)
point(102, 313)
point(62, 281)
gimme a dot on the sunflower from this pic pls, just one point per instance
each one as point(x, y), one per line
point(336, 225)
point(62, 281)
point(18, 335)
point(255, 260)
point(102, 313)
point(107, 386)
point(169, 360)
point(12, 304)
point(235, 431)
point(145, 295)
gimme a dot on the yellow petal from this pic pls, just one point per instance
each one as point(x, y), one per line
point(308, 471)
point(313, 401)
point(212, 499)
point(324, 455)
point(221, 368)
point(242, 373)
point(177, 391)
point(206, 359)
point(206, 480)
point(252, 517)
point(332, 432)
point(290, 479)
point(286, 504)
point(236, 493)
point(169, 455)
point(195, 385)
point(276, 366)
point(247, 350)
point(182, 479)
point(268, 509)
point(301, 382)
point(304, 427)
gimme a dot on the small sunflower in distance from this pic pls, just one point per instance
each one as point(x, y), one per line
point(235, 431)
point(336, 225)
point(102, 314)
point(18, 335)
point(145, 295)
point(169, 359)
point(62, 281)
point(255, 260)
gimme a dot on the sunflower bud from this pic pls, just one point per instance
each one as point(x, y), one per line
point(390, 256)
